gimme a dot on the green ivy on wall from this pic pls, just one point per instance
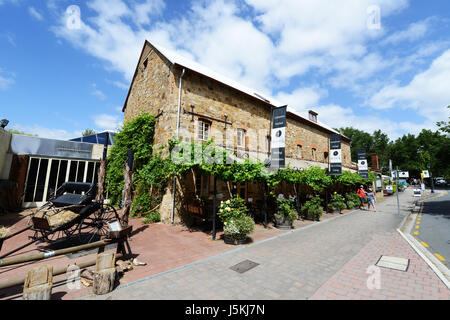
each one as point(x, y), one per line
point(152, 171)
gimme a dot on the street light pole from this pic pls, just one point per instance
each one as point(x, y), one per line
point(431, 178)
point(398, 201)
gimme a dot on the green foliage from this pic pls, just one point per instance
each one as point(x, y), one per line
point(352, 200)
point(136, 135)
point(239, 227)
point(14, 131)
point(286, 209)
point(315, 178)
point(313, 207)
point(152, 217)
point(88, 132)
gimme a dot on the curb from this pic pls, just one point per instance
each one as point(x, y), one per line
point(438, 268)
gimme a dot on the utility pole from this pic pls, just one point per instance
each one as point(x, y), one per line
point(431, 178)
point(398, 201)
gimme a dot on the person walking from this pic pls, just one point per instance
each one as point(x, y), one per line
point(371, 199)
point(362, 196)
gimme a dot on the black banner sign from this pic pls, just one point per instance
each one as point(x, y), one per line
point(363, 168)
point(335, 157)
point(278, 138)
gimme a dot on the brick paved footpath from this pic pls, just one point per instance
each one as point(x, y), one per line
point(328, 260)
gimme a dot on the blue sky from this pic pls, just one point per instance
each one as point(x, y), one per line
point(59, 76)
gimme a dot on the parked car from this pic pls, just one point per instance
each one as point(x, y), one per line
point(389, 190)
point(440, 182)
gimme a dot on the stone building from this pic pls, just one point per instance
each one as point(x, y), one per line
point(195, 103)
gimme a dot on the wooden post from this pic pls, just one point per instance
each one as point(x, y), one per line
point(101, 180)
point(214, 208)
point(38, 283)
point(105, 273)
point(127, 189)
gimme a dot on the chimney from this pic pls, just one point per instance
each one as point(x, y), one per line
point(375, 165)
point(313, 115)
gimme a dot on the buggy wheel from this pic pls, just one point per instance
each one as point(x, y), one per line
point(95, 226)
point(60, 235)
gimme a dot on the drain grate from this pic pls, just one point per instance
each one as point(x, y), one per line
point(395, 263)
point(244, 266)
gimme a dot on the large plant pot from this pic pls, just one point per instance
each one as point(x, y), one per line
point(309, 216)
point(228, 240)
point(282, 222)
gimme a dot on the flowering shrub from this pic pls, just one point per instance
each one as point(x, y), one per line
point(239, 227)
point(231, 208)
point(337, 202)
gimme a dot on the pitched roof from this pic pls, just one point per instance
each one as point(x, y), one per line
point(176, 59)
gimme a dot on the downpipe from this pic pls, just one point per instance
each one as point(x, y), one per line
point(174, 186)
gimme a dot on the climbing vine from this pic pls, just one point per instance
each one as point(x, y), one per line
point(153, 171)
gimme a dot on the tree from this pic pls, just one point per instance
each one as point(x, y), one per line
point(444, 126)
point(360, 140)
point(13, 131)
point(88, 132)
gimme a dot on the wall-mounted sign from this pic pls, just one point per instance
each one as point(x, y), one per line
point(363, 168)
point(278, 138)
point(335, 155)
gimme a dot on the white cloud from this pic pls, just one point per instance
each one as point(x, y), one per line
point(337, 116)
point(108, 122)
point(302, 99)
point(414, 32)
point(285, 40)
point(97, 92)
point(427, 94)
point(35, 14)
point(50, 133)
point(6, 80)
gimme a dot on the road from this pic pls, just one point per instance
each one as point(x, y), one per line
point(432, 227)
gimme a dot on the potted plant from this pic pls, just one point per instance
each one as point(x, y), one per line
point(337, 203)
point(237, 229)
point(286, 213)
point(237, 225)
point(313, 209)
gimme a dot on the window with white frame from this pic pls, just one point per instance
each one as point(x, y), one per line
point(299, 151)
point(241, 138)
point(203, 129)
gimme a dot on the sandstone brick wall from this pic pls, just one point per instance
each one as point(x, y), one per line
point(214, 100)
point(154, 88)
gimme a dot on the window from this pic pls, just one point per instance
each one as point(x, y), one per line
point(241, 138)
point(203, 130)
point(299, 151)
point(145, 63)
point(313, 154)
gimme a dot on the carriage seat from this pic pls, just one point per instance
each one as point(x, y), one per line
point(70, 193)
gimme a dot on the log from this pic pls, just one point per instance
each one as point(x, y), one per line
point(101, 180)
point(104, 281)
point(38, 283)
point(105, 273)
